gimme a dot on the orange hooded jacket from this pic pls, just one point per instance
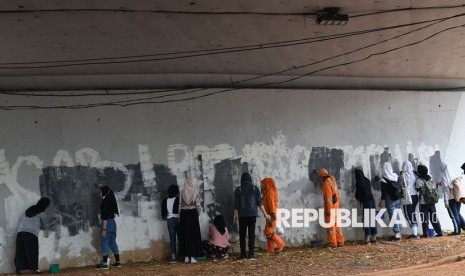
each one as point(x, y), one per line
point(270, 202)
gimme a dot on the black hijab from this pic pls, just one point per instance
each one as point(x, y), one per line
point(40, 207)
point(109, 199)
point(363, 191)
point(220, 224)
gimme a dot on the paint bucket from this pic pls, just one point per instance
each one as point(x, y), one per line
point(54, 268)
point(431, 233)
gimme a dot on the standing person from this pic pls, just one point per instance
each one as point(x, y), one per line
point(332, 202)
point(427, 208)
point(364, 195)
point(27, 241)
point(246, 200)
point(191, 240)
point(452, 206)
point(218, 245)
point(390, 196)
point(170, 212)
point(270, 203)
point(410, 210)
point(108, 210)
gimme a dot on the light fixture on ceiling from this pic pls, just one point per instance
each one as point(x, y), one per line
point(331, 16)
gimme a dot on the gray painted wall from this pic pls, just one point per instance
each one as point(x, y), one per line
point(142, 149)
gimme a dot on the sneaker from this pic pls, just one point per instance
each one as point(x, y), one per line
point(193, 260)
point(101, 266)
point(252, 257)
point(225, 256)
point(173, 261)
point(242, 257)
point(367, 240)
point(187, 260)
point(438, 235)
point(118, 264)
point(415, 237)
point(373, 239)
point(36, 272)
point(453, 234)
point(395, 238)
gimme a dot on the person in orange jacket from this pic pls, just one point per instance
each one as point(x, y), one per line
point(332, 200)
point(270, 203)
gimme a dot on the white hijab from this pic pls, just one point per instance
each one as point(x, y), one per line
point(407, 171)
point(446, 180)
point(189, 191)
point(388, 173)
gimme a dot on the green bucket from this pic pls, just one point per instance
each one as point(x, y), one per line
point(54, 268)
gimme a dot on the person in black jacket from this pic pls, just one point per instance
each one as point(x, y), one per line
point(108, 210)
point(170, 213)
point(364, 195)
point(247, 199)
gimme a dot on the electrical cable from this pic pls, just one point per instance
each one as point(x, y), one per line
point(236, 82)
point(206, 52)
point(136, 102)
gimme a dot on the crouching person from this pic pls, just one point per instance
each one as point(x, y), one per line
point(218, 245)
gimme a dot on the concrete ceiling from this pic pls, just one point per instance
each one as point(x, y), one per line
point(95, 38)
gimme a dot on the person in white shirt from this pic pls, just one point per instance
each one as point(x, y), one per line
point(170, 213)
point(452, 206)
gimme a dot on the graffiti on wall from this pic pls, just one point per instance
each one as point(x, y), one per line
point(79, 209)
point(70, 182)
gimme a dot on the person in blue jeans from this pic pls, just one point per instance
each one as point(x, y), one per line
point(108, 210)
point(364, 195)
point(408, 176)
point(451, 204)
point(170, 213)
point(388, 199)
point(427, 210)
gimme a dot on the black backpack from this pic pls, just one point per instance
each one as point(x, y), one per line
point(394, 189)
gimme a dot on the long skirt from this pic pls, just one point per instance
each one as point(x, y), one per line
point(27, 251)
point(191, 241)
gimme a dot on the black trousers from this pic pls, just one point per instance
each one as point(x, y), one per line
point(247, 226)
point(27, 251)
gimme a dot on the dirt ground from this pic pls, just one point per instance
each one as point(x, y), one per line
point(432, 256)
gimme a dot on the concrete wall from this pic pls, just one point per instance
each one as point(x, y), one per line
point(141, 150)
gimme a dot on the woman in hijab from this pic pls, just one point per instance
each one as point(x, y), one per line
point(218, 245)
point(388, 196)
point(191, 240)
point(27, 241)
point(364, 195)
point(409, 178)
point(270, 203)
point(108, 210)
point(452, 206)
